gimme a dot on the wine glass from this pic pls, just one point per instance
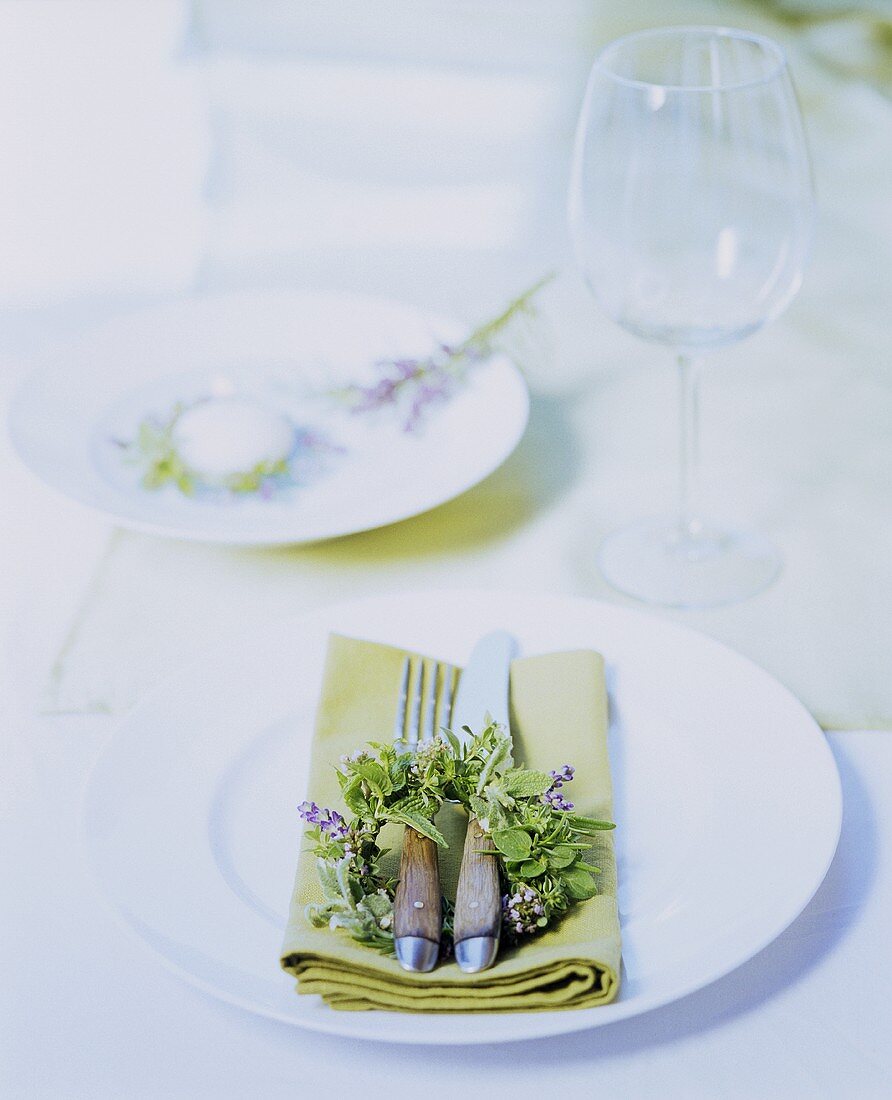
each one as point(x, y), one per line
point(691, 213)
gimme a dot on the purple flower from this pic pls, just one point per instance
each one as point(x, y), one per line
point(558, 779)
point(565, 775)
point(309, 811)
point(330, 822)
point(334, 825)
point(521, 911)
point(404, 368)
point(409, 385)
point(556, 801)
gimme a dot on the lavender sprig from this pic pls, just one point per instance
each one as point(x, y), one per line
point(330, 823)
point(552, 797)
point(412, 386)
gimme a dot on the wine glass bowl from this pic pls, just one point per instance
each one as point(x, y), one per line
point(691, 215)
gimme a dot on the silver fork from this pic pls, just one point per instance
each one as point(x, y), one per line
point(417, 915)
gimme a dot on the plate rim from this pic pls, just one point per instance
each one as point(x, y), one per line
point(548, 1023)
point(45, 364)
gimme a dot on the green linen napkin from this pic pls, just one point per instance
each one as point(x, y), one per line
point(558, 715)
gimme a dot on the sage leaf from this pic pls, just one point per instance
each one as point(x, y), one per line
point(562, 855)
point(578, 882)
point(521, 783)
point(530, 868)
point(419, 824)
point(514, 844)
point(378, 905)
point(328, 879)
point(318, 915)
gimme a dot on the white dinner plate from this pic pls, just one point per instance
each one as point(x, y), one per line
point(287, 350)
point(727, 803)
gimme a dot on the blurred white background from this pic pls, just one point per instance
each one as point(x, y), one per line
point(420, 149)
point(159, 146)
point(105, 151)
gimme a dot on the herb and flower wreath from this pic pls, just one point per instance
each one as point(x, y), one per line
point(540, 841)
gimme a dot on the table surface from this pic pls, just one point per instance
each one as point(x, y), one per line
point(85, 1010)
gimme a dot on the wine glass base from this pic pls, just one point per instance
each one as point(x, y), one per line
point(654, 561)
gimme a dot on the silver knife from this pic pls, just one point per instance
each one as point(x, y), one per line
point(482, 691)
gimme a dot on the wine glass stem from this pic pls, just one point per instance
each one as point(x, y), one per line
point(689, 525)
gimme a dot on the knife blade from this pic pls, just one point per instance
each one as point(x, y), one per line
point(482, 691)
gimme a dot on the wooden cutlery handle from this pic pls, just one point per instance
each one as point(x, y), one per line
point(416, 906)
point(478, 901)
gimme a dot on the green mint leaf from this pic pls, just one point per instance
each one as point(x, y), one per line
point(398, 768)
point(355, 800)
point(501, 752)
point(376, 777)
point(479, 807)
point(410, 804)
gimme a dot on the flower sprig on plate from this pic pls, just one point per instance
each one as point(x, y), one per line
point(541, 842)
point(410, 386)
point(154, 449)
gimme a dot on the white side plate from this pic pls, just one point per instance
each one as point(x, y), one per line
point(282, 348)
point(728, 804)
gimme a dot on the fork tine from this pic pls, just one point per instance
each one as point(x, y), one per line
point(417, 917)
point(415, 710)
point(399, 721)
point(430, 701)
point(415, 721)
point(446, 697)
